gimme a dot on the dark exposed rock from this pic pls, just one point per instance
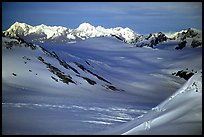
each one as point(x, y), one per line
point(118, 37)
point(194, 84)
point(80, 66)
point(14, 74)
point(61, 62)
point(3, 34)
point(55, 55)
point(195, 44)
point(150, 35)
point(91, 82)
point(40, 58)
point(54, 78)
point(86, 70)
point(26, 58)
point(20, 42)
point(181, 45)
point(191, 33)
point(99, 77)
point(153, 40)
point(67, 66)
point(113, 88)
point(183, 74)
point(63, 77)
point(45, 51)
point(87, 63)
point(161, 37)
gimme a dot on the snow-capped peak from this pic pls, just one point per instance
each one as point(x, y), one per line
point(190, 32)
point(19, 24)
point(43, 33)
point(85, 27)
point(18, 29)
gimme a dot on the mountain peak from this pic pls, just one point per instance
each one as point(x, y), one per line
point(43, 33)
point(193, 29)
point(43, 25)
point(86, 26)
point(19, 24)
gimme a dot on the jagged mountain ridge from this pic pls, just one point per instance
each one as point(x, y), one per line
point(57, 34)
point(43, 33)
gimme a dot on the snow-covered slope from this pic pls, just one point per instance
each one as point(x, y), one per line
point(179, 114)
point(97, 84)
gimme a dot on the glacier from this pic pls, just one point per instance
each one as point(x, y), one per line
point(99, 85)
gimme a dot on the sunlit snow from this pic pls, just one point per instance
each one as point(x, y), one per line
point(100, 85)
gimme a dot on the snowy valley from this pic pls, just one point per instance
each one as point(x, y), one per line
point(93, 80)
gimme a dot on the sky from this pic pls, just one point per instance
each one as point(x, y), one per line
point(142, 17)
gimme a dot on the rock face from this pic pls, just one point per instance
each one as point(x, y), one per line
point(192, 36)
point(151, 40)
point(181, 45)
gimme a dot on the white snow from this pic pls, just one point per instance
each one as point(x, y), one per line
point(43, 34)
point(183, 107)
point(151, 100)
point(85, 30)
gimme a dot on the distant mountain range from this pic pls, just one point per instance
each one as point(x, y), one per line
point(57, 34)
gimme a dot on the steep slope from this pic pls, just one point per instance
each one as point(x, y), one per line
point(75, 71)
point(180, 114)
